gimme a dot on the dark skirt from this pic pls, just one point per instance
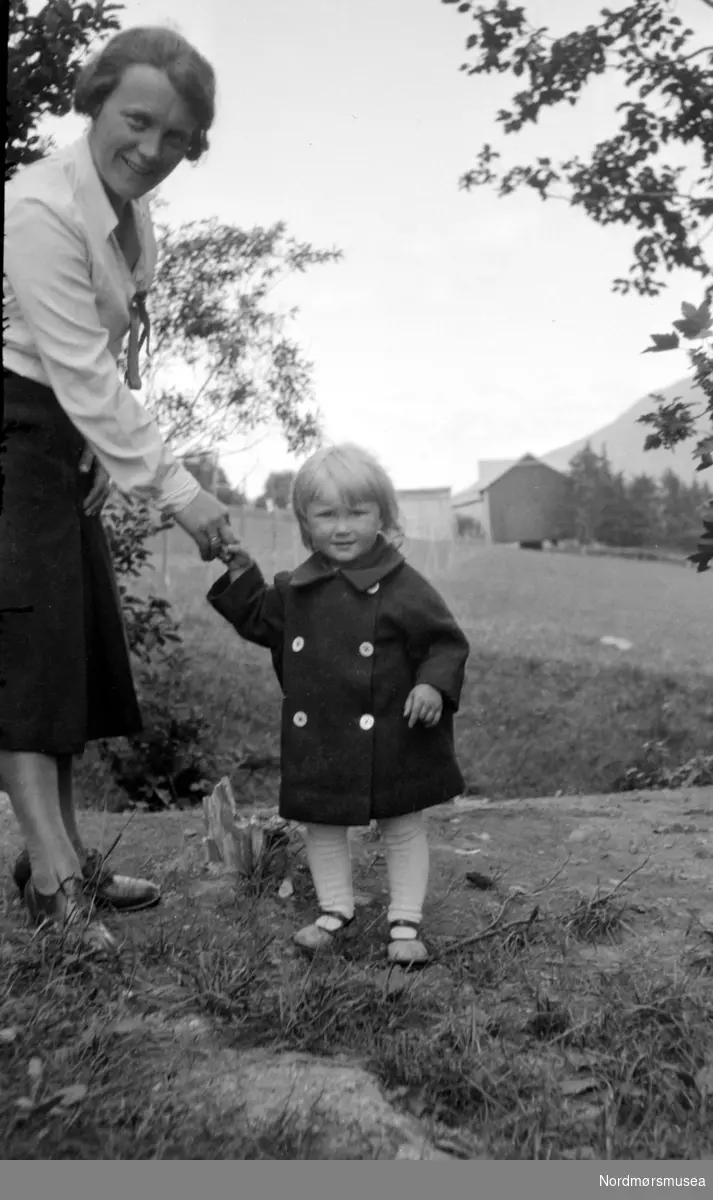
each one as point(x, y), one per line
point(65, 673)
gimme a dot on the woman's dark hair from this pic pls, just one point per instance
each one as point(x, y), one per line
point(152, 46)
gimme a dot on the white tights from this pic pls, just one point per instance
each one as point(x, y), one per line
point(406, 859)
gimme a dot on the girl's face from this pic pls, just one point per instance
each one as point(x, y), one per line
point(140, 135)
point(342, 531)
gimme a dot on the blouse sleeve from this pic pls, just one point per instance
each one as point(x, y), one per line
point(47, 268)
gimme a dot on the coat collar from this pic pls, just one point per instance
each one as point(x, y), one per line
point(383, 560)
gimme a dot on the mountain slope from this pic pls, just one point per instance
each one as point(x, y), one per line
point(624, 441)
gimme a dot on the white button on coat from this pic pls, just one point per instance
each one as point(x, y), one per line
point(300, 719)
point(298, 643)
point(366, 649)
point(372, 590)
point(367, 721)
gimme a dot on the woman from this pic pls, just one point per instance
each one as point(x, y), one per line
point(79, 256)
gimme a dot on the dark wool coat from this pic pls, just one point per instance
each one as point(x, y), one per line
point(348, 644)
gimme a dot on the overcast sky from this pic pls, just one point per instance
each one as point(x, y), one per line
point(459, 326)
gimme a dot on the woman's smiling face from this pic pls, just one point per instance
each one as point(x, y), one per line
point(141, 133)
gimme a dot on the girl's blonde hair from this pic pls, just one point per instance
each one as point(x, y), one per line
point(356, 476)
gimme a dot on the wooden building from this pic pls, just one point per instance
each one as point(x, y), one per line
point(427, 514)
point(528, 503)
point(468, 505)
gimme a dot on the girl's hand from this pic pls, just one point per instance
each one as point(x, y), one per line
point(237, 560)
point(424, 703)
point(100, 486)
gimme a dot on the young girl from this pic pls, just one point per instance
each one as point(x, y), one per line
point(371, 665)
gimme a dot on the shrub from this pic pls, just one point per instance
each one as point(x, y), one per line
point(652, 770)
point(150, 624)
point(164, 766)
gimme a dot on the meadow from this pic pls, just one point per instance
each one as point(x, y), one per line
point(568, 1008)
point(547, 708)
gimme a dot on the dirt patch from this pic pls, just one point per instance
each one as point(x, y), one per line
point(665, 837)
point(564, 932)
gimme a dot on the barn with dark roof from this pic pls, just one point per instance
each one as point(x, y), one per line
point(526, 502)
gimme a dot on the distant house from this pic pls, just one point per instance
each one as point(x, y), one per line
point(529, 502)
point(525, 501)
point(469, 503)
point(427, 514)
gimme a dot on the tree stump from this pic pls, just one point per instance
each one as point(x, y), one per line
point(239, 843)
point(228, 840)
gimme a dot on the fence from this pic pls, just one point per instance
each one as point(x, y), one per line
point(274, 539)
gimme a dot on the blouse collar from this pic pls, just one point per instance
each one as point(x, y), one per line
point(100, 205)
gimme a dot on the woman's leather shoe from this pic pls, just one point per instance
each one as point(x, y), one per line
point(120, 892)
point(65, 912)
point(107, 890)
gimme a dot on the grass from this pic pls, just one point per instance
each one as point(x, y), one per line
point(512, 1046)
point(546, 710)
point(521, 1042)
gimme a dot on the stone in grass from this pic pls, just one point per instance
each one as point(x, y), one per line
point(471, 802)
point(618, 642)
point(589, 833)
point(321, 1108)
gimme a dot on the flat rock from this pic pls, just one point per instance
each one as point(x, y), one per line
point(333, 1109)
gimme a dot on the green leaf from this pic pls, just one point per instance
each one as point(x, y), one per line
point(696, 322)
point(702, 314)
point(691, 328)
point(662, 341)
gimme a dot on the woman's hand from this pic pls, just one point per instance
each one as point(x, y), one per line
point(208, 523)
point(424, 703)
point(100, 487)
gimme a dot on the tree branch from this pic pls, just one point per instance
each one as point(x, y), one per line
point(703, 50)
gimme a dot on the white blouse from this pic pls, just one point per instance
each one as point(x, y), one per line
point(67, 293)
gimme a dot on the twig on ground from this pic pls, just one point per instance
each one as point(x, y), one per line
point(634, 871)
point(491, 930)
point(373, 924)
point(372, 862)
point(548, 882)
point(594, 917)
